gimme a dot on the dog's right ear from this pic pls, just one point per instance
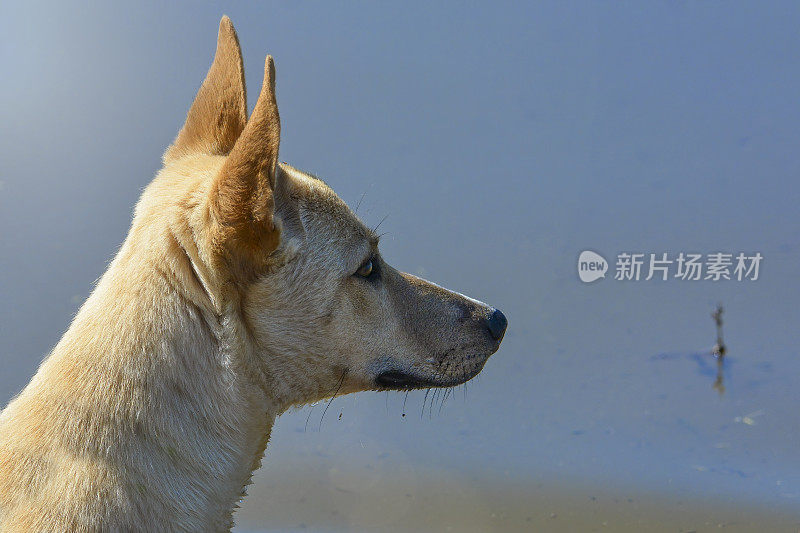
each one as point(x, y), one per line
point(219, 112)
point(241, 198)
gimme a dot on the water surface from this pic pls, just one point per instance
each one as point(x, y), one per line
point(501, 142)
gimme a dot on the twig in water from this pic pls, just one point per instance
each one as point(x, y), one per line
point(719, 348)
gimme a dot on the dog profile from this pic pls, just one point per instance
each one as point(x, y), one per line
point(244, 287)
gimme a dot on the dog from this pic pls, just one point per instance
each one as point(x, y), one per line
point(244, 287)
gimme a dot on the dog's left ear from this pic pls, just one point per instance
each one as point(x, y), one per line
point(219, 111)
point(241, 196)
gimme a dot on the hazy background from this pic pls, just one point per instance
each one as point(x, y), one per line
point(501, 142)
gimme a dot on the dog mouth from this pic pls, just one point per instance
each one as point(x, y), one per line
point(400, 380)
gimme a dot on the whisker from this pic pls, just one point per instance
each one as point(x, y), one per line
point(379, 223)
point(444, 399)
point(341, 380)
point(305, 428)
point(360, 200)
point(433, 400)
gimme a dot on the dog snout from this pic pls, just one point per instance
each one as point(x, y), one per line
point(497, 323)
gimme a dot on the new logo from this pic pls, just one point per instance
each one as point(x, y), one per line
point(591, 266)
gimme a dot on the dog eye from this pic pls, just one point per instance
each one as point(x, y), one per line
point(366, 269)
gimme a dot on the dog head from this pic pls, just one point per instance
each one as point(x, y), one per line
point(279, 253)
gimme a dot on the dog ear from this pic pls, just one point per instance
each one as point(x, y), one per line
point(241, 196)
point(219, 112)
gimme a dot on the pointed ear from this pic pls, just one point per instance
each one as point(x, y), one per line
point(219, 112)
point(242, 200)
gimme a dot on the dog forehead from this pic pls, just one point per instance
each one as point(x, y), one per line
point(328, 217)
point(322, 210)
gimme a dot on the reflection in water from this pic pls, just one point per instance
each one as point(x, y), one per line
point(719, 384)
point(719, 350)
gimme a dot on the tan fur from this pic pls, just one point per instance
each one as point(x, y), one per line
point(233, 298)
point(219, 112)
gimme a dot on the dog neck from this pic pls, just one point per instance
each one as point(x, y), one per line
point(148, 384)
point(233, 406)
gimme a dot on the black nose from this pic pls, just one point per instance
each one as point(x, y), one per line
point(497, 324)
